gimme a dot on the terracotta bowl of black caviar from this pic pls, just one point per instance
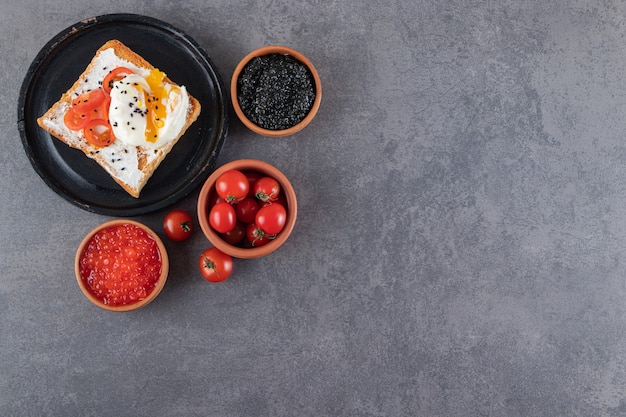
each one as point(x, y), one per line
point(275, 91)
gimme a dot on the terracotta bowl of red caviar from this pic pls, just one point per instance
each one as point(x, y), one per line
point(275, 91)
point(244, 249)
point(121, 265)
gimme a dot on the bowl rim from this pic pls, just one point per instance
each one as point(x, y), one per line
point(263, 168)
point(266, 50)
point(126, 307)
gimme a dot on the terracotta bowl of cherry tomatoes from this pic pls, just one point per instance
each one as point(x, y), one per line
point(247, 208)
point(121, 265)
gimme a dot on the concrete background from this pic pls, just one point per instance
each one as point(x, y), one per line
point(460, 243)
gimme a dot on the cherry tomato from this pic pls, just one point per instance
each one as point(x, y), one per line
point(246, 210)
point(255, 236)
point(252, 177)
point(89, 101)
point(214, 198)
point(266, 189)
point(271, 218)
point(74, 120)
point(280, 200)
point(114, 75)
point(98, 132)
point(177, 225)
point(235, 236)
point(215, 265)
point(222, 217)
point(232, 185)
point(102, 111)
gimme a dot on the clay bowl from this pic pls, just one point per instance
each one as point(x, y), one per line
point(235, 90)
point(247, 252)
point(130, 226)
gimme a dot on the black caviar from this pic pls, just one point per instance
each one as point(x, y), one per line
point(275, 91)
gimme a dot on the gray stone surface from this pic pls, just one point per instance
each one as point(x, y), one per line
point(459, 249)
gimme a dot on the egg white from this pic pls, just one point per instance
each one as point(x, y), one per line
point(128, 112)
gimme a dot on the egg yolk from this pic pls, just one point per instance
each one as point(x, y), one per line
point(155, 104)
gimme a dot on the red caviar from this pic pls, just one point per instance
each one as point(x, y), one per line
point(121, 264)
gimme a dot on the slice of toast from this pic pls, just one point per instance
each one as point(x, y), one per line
point(130, 166)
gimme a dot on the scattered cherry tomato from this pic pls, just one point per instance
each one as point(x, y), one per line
point(246, 210)
point(266, 189)
point(215, 265)
point(177, 225)
point(235, 236)
point(232, 185)
point(222, 217)
point(256, 237)
point(271, 218)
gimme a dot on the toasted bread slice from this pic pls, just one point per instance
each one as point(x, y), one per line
point(130, 166)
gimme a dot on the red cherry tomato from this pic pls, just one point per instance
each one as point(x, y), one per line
point(271, 218)
point(255, 236)
point(222, 217)
point(235, 236)
point(102, 111)
point(232, 185)
point(280, 200)
point(114, 75)
point(214, 198)
point(89, 101)
point(177, 225)
point(266, 189)
point(246, 210)
point(215, 265)
point(98, 132)
point(86, 108)
point(252, 177)
point(74, 120)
